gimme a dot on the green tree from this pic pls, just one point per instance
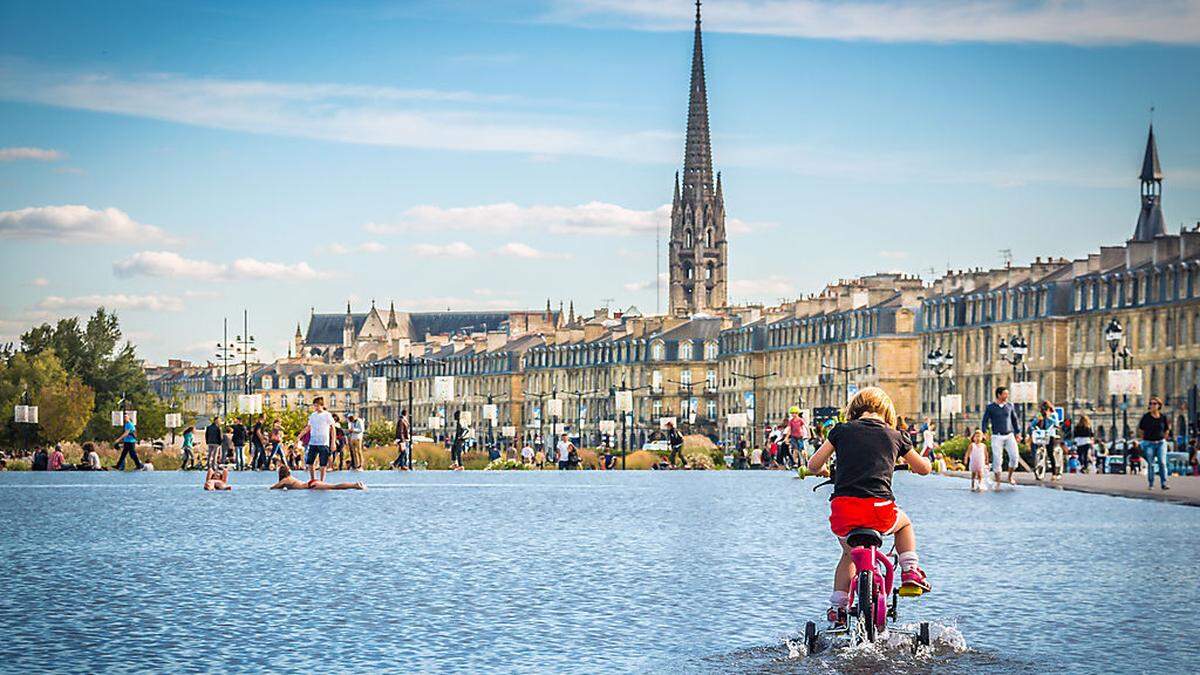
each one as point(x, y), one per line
point(64, 409)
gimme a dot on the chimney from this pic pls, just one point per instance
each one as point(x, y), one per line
point(1166, 247)
point(1189, 243)
point(1138, 253)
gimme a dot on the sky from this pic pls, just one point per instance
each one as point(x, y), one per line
point(180, 162)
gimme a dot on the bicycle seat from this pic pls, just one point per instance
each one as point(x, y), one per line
point(864, 536)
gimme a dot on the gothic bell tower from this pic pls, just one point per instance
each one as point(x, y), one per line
point(697, 254)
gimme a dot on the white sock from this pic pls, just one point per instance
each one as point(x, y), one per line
point(908, 560)
point(839, 599)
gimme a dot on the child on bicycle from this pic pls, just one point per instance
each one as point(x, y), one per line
point(977, 460)
point(867, 447)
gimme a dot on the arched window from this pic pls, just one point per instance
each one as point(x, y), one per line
point(333, 400)
point(687, 239)
point(710, 351)
point(708, 240)
point(658, 351)
point(685, 351)
point(689, 272)
point(709, 270)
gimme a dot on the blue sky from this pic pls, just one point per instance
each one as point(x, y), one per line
point(181, 161)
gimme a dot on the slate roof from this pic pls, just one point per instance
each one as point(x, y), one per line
point(326, 329)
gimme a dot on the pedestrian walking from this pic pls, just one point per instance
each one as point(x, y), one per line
point(212, 439)
point(189, 440)
point(1082, 433)
point(675, 440)
point(457, 445)
point(258, 446)
point(798, 434)
point(275, 439)
point(128, 442)
point(403, 442)
point(1153, 430)
point(1001, 417)
point(239, 443)
point(564, 452)
point(356, 442)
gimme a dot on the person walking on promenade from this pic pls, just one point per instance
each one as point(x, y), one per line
point(189, 441)
point(798, 434)
point(1082, 433)
point(460, 440)
point(356, 442)
point(212, 439)
point(339, 443)
point(320, 433)
point(239, 443)
point(928, 439)
point(1153, 430)
point(527, 453)
point(275, 441)
point(403, 442)
point(1001, 417)
point(227, 445)
point(128, 442)
point(258, 446)
point(564, 452)
point(675, 440)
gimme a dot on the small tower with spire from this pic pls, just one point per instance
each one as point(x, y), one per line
point(697, 253)
point(297, 343)
point(348, 329)
point(1150, 222)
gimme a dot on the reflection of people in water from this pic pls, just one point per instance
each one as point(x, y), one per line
point(288, 482)
point(217, 480)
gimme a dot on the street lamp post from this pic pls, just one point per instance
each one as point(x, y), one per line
point(1013, 352)
point(846, 372)
point(1126, 363)
point(1112, 335)
point(225, 352)
point(688, 385)
point(244, 346)
point(754, 379)
point(940, 362)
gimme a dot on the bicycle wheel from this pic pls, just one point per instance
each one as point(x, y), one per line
point(866, 603)
point(1039, 462)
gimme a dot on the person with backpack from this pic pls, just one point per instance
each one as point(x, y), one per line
point(212, 439)
point(675, 440)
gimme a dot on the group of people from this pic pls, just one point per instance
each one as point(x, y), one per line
point(54, 459)
point(788, 444)
point(226, 445)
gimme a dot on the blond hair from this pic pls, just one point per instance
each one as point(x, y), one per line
point(977, 433)
point(872, 400)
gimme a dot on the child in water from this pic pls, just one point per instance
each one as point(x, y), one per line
point(867, 446)
point(976, 460)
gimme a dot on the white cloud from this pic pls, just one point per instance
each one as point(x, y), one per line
point(170, 265)
point(1084, 22)
point(598, 218)
point(152, 302)
point(75, 223)
point(457, 249)
point(894, 255)
point(35, 154)
point(360, 114)
point(635, 286)
point(771, 288)
point(515, 249)
point(39, 281)
point(342, 249)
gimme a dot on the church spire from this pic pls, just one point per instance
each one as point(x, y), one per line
point(1150, 222)
point(697, 156)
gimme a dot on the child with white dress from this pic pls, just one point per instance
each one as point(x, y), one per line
point(976, 454)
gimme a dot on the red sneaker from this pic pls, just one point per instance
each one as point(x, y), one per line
point(837, 617)
point(915, 578)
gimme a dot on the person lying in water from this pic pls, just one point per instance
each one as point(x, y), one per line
point(217, 480)
point(288, 482)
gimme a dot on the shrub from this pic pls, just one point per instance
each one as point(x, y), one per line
point(589, 459)
point(434, 456)
point(381, 432)
point(640, 460)
point(955, 447)
point(503, 464)
point(700, 460)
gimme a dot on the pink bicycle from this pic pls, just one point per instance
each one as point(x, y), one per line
point(873, 596)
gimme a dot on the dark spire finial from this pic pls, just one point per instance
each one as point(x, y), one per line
point(1151, 222)
point(697, 157)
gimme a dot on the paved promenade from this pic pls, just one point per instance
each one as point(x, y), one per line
point(1184, 489)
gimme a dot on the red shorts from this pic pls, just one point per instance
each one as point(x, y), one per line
point(848, 513)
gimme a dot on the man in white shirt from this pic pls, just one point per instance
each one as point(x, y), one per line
point(320, 433)
point(564, 453)
point(527, 453)
point(356, 441)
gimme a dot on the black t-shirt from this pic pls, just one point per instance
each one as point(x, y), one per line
point(866, 452)
point(239, 434)
point(1153, 428)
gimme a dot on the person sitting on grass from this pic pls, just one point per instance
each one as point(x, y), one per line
point(217, 480)
point(288, 482)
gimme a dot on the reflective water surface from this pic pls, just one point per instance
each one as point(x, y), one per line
point(580, 571)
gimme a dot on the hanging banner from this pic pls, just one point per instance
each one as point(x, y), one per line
point(173, 420)
point(376, 389)
point(608, 427)
point(250, 403)
point(693, 407)
point(491, 412)
point(554, 407)
point(1125, 382)
point(664, 421)
point(1024, 392)
point(443, 388)
point(625, 401)
point(508, 431)
point(952, 404)
point(736, 421)
point(118, 417)
point(748, 402)
point(560, 429)
point(437, 422)
point(464, 418)
point(25, 414)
